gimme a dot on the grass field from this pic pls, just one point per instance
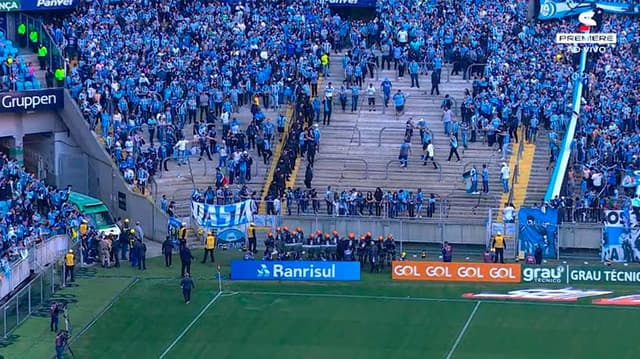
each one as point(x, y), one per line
point(123, 313)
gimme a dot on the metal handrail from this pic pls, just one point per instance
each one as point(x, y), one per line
point(366, 164)
point(354, 129)
point(389, 163)
point(161, 170)
point(384, 129)
point(468, 70)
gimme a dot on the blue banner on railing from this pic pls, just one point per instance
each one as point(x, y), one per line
point(537, 227)
point(295, 271)
point(620, 236)
point(38, 100)
point(221, 216)
point(352, 3)
point(47, 5)
point(557, 9)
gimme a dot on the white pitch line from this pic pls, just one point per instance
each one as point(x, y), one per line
point(184, 332)
point(441, 300)
point(463, 330)
point(105, 309)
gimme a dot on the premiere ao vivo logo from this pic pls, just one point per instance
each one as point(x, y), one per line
point(295, 271)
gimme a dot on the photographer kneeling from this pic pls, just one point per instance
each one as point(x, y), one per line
point(61, 343)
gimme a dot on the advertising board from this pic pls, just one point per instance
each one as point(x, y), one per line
point(37, 100)
point(295, 270)
point(456, 272)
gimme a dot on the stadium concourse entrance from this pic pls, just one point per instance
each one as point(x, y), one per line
point(38, 154)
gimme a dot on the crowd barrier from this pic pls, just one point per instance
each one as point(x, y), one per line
point(39, 257)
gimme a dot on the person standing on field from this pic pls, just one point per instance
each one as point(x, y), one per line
point(499, 245)
point(185, 259)
point(187, 285)
point(69, 265)
point(167, 250)
point(209, 246)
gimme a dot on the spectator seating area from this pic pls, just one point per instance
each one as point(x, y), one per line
point(177, 70)
point(31, 212)
point(16, 74)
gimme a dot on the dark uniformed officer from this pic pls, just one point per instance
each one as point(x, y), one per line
point(124, 239)
point(167, 250)
point(141, 250)
point(209, 246)
point(69, 265)
point(187, 284)
point(373, 258)
point(185, 259)
point(133, 255)
point(115, 250)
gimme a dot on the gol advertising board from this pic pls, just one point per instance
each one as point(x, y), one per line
point(38, 100)
point(456, 272)
point(295, 270)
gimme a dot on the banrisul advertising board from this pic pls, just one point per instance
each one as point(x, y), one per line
point(544, 274)
point(39, 100)
point(579, 274)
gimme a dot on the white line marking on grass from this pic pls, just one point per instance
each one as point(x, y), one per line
point(230, 294)
point(442, 300)
point(463, 330)
point(105, 309)
point(184, 332)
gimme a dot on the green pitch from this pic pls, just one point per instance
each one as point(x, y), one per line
point(123, 313)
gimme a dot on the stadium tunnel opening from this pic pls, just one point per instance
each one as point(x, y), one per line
point(39, 155)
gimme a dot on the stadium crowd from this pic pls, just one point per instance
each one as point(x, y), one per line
point(30, 212)
point(177, 63)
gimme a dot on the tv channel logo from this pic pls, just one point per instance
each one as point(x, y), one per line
point(295, 270)
point(584, 40)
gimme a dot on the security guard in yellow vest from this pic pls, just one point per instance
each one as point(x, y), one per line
point(133, 256)
point(59, 74)
point(182, 234)
point(34, 38)
point(42, 56)
point(499, 245)
point(251, 236)
point(84, 228)
point(22, 34)
point(209, 246)
point(69, 264)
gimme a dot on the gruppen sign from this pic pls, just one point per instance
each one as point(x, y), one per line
point(38, 100)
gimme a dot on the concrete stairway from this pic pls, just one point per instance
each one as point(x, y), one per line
point(344, 163)
point(178, 183)
point(540, 174)
point(30, 56)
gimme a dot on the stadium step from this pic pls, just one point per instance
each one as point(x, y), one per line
point(360, 150)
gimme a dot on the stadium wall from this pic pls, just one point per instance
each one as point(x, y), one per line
point(578, 235)
point(105, 181)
